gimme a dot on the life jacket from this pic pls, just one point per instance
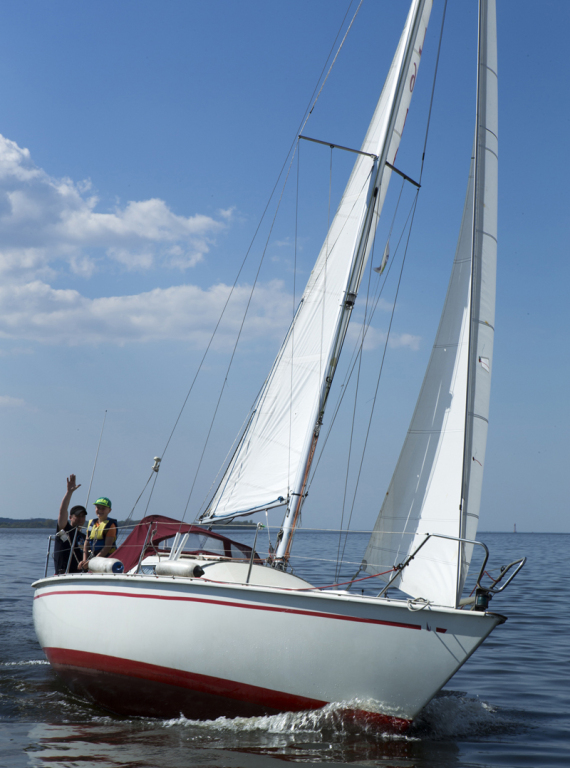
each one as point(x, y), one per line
point(96, 535)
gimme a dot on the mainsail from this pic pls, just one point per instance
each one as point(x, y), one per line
point(269, 464)
point(436, 486)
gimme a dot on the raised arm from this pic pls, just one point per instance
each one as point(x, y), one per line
point(71, 487)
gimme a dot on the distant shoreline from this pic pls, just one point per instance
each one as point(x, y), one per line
point(44, 523)
point(33, 522)
point(50, 524)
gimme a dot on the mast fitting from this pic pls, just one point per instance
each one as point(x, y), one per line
point(403, 175)
point(339, 146)
point(350, 300)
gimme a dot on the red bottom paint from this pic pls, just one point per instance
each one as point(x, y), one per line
point(135, 688)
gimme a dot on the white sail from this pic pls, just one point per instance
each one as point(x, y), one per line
point(436, 486)
point(268, 466)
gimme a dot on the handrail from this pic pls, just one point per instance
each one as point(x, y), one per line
point(482, 594)
point(71, 550)
point(504, 570)
point(399, 568)
point(50, 538)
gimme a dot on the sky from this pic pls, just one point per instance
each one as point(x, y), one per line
point(140, 143)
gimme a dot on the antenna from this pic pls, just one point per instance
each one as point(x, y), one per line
point(96, 457)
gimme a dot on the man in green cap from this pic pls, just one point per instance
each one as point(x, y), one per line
point(101, 533)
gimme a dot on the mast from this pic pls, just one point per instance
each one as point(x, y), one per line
point(483, 281)
point(380, 175)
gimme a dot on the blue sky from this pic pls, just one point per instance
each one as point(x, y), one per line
point(140, 143)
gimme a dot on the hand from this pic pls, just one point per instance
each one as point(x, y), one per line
point(71, 485)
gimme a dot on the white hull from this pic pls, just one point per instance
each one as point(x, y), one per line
point(163, 646)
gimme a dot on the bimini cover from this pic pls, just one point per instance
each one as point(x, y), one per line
point(162, 528)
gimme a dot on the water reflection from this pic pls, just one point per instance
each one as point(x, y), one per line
point(304, 738)
point(149, 745)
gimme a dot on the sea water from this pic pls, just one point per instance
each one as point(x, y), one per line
point(508, 706)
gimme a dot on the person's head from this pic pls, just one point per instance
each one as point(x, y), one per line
point(102, 508)
point(77, 516)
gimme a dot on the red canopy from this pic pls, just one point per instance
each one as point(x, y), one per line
point(199, 541)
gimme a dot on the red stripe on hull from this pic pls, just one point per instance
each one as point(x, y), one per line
point(137, 688)
point(230, 604)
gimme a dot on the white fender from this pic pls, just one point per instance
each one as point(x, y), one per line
point(189, 569)
point(105, 565)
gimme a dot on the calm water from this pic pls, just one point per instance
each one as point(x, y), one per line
point(509, 706)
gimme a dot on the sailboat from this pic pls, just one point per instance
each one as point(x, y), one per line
point(203, 626)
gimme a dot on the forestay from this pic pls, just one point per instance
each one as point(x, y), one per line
point(269, 463)
point(436, 486)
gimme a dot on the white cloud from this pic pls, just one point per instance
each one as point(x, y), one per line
point(44, 220)
point(375, 338)
point(405, 340)
point(11, 402)
point(47, 223)
point(37, 312)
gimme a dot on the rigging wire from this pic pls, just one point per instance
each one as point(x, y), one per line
point(264, 252)
point(347, 475)
point(336, 56)
point(151, 492)
point(428, 121)
point(96, 457)
point(380, 373)
point(230, 452)
point(302, 124)
point(433, 90)
point(295, 309)
point(307, 113)
point(358, 346)
point(327, 252)
point(140, 495)
point(350, 442)
point(293, 317)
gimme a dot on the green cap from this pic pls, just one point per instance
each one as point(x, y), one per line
point(103, 502)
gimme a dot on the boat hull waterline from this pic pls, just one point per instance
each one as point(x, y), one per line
point(205, 651)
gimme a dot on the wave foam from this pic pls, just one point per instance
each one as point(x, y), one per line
point(330, 721)
point(450, 715)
